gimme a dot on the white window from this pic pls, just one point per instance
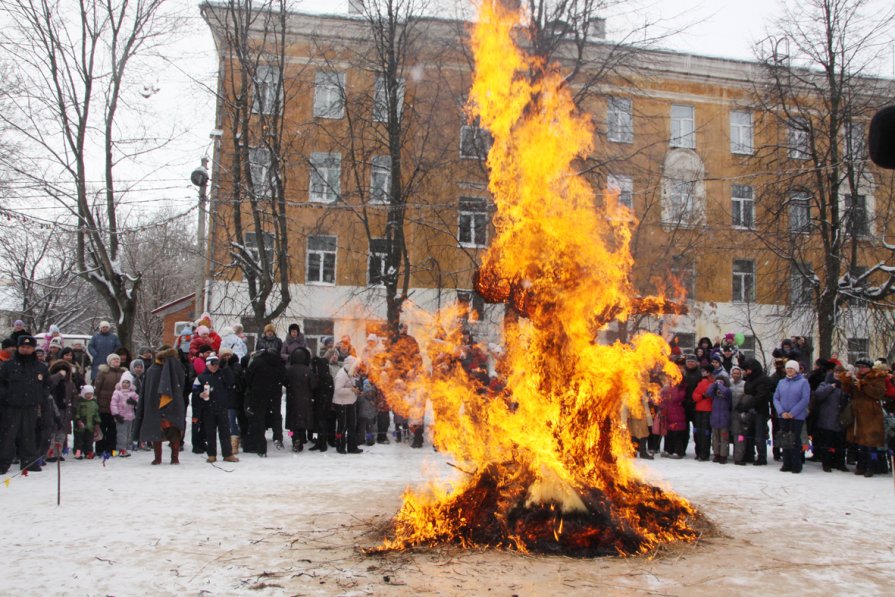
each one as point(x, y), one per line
point(321, 260)
point(381, 99)
point(259, 168)
point(683, 126)
point(799, 212)
point(326, 171)
point(747, 348)
point(381, 179)
point(377, 262)
point(686, 341)
point(475, 142)
point(620, 128)
point(253, 248)
point(797, 139)
point(683, 274)
point(329, 95)
point(473, 222)
point(855, 145)
point(857, 220)
point(472, 305)
point(858, 348)
point(741, 133)
point(742, 206)
point(623, 188)
point(268, 94)
point(743, 281)
point(315, 331)
point(801, 277)
point(681, 208)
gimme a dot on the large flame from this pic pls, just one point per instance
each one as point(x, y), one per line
point(546, 459)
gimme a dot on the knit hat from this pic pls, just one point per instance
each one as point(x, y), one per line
point(54, 329)
point(716, 356)
point(126, 376)
point(202, 330)
point(57, 342)
point(19, 323)
point(8, 343)
point(112, 357)
point(349, 362)
point(792, 365)
point(87, 390)
point(104, 324)
point(212, 358)
point(294, 326)
point(137, 363)
point(864, 363)
point(144, 349)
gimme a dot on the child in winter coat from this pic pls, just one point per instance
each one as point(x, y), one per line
point(124, 409)
point(721, 397)
point(86, 424)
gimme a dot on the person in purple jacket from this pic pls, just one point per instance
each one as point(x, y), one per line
point(791, 402)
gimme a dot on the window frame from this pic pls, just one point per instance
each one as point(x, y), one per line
point(381, 165)
point(798, 139)
point(739, 145)
point(322, 254)
point(681, 217)
point(619, 120)
point(266, 90)
point(480, 142)
point(850, 220)
point(623, 186)
point(262, 187)
point(746, 282)
point(251, 244)
point(380, 254)
point(325, 172)
point(332, 84)
point(473, 208)
point(684, 270)
point(380, 99)
point(739, 206)
point(801, 292)
point(683, 138)
point(857, 348)
point(799, 201)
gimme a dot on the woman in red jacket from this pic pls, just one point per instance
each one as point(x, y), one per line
point(702, 427)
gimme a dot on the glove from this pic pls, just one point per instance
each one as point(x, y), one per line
point(119, 419)
point(131, 401)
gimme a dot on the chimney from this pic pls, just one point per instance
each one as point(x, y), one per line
point(355, 7)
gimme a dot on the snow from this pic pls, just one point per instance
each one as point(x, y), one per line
point(295, 523)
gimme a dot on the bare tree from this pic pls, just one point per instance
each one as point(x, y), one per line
point(817, 94)
point(79, 123)
point(253, 98)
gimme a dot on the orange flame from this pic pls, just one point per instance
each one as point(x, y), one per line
point(547, 449)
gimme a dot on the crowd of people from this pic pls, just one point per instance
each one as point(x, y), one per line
point(110, 403)
point(838, 412)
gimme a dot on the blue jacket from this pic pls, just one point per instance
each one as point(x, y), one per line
point(101, 346)
point(721, 404)
point(792, 396)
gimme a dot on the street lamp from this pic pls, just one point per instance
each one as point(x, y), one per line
point(199, 177)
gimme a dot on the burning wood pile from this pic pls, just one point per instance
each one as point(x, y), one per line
point(547, 460)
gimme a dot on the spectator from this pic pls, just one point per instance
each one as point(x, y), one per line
point(101, 345)
point(791, 402)
point(24, 384)
point(294, 340)
point(867, 428)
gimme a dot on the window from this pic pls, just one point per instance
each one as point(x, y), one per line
point(251, 245)
point(741, 133)
point(381, 179)
point(856, 273)
point(683, 127)
point(475, 142)
point(381, 99)
point(683, 273)
point(321, 260)
point(620, 128)
point(329, 99)
point(743, 281)
point(473, 222)
point(747, 348)
point(378, 262)
point(742, 206)
point(797, 139)
point(315, 331)
point(801, 287)
point(681, 203)
point(259, 168)
point(855, 146)
point(800, 212)
point(857, 222)
point(686, 341)
point(623, 187)
point(268, 93)
point(472, 305)
point(858, 348)
point(326, 170)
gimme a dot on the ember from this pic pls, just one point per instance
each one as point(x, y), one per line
point(547, 460)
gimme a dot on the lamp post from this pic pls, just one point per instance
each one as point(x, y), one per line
point(199, 177)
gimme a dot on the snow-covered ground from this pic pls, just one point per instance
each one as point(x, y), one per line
point(293, 524)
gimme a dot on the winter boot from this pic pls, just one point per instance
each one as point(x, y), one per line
point(157, 448)
point(210, 459)
point(642, 451)
point(417, 437)
point(175, 452)
point(234, 444)
point(231, 458)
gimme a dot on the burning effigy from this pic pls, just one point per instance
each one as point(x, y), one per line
point(546, 461)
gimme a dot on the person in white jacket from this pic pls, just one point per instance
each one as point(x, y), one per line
point(231, 338)
point(344, 407)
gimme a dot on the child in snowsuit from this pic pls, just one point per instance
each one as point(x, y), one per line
point(124, 409)
point(86, 424)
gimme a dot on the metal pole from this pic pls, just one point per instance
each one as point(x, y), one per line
point(58, 473)
point(201, 241)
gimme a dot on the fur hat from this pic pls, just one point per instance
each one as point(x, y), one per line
point(294, 326)
point(793, 365)
point(270, 328)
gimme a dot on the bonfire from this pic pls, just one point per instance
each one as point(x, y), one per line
point(546, 461)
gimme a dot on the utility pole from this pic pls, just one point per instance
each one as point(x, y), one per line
point(199, 177)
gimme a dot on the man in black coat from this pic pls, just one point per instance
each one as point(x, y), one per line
point(214, 388)
point(761, 388)
point(692, 375)
point(24, 387)
point(264, 390)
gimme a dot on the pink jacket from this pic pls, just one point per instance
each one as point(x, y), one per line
point(119, 405)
